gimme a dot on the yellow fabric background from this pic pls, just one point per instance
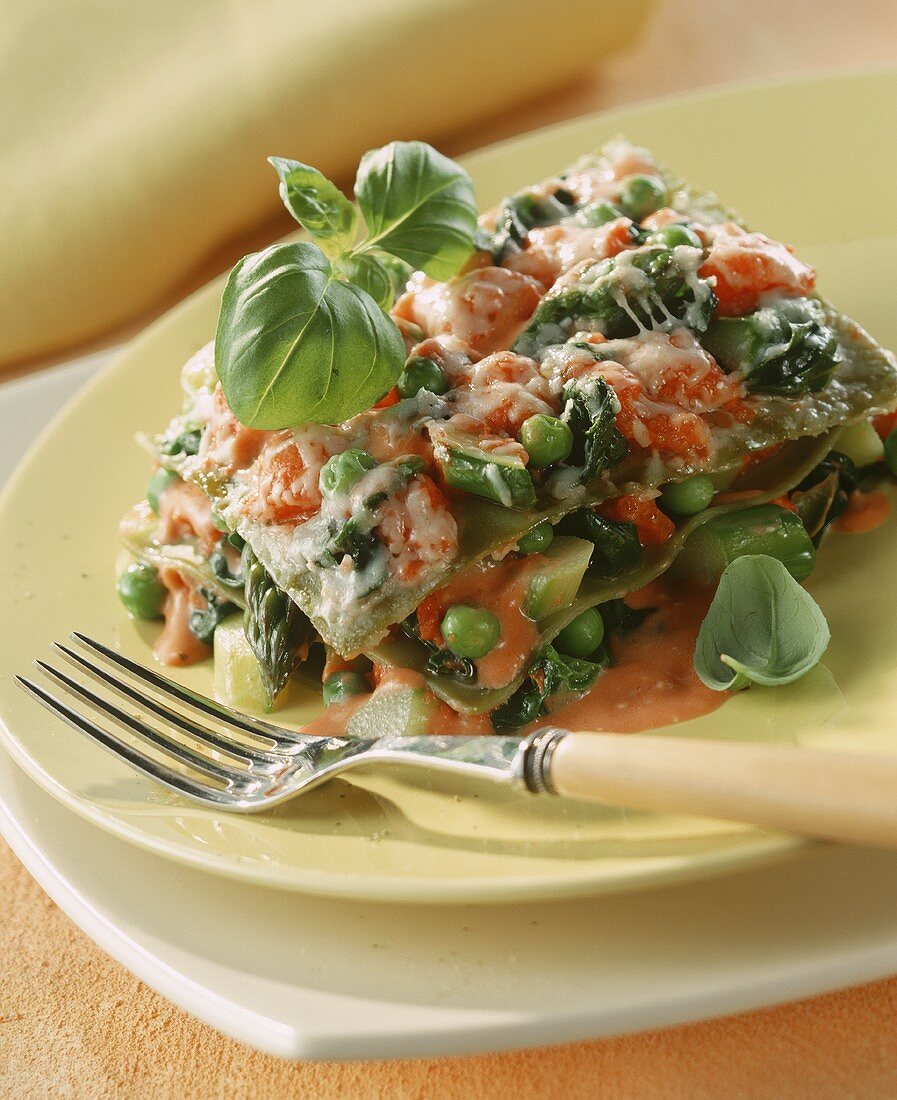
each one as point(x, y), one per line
point(134, 132)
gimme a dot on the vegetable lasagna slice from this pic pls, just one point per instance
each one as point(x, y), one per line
point(619, 365)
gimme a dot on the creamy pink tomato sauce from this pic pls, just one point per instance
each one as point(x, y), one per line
point(498, 587)
point(227, 445)
point(177, 645)
point(652, 681)
point(186, 512)
point(865, 512)
point(550, 251)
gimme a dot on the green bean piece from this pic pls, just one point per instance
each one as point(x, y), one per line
point(141, 591)
point(421, 373)
point(765, 529)
point(340, 686)
point(641, 196)
point(547, 439)
point(687, 498)
point(470, 631)
point(537, 539)
point(582, 635)
point(340, 472)
point(158, 483)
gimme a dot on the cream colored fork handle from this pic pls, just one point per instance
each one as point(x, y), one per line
point(833, 795)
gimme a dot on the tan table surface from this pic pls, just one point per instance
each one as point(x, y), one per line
point(74, 1023)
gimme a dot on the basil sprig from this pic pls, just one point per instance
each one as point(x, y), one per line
point(302, 333)
point(762, 627)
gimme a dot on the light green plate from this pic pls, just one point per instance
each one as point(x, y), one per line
point(807, 162)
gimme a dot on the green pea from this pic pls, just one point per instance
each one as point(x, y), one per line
point(547, 439)
point(674, 235)
point(141, 591)
point(891, 451)
point(158, 483)
point(470, 631)
point(641, 196)
point(599, 213)
point(340, 472)
point(687, 498)
point(421, 373)
point(340, 686)
point(537, 539)
point(582, 636)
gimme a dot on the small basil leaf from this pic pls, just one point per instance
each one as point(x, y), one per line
point(418, 205)
point(761, 628)
point(317, 204)
point(369, 273)
point(294, 344)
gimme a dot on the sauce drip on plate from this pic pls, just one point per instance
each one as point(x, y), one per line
point(865, 512)
point(652, 681)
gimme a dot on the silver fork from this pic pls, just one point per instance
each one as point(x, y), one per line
point(220, 757)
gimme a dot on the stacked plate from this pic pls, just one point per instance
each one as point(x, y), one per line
point(383, 917)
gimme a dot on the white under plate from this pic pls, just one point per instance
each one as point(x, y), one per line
point(313, 978)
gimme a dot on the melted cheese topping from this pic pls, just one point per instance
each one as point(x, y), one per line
point(745, 266)
point(485, 308)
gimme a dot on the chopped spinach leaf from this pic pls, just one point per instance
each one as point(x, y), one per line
point(617, 548)
point(203, 620)
point(785, 349)
point(521, 213)
point(550, 674)
point(619, 298)
point(220, 567)
point(590, 410)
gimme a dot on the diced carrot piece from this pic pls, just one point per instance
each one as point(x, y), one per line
point(652, 525)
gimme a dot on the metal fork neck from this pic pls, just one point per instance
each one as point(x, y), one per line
point(540, 746)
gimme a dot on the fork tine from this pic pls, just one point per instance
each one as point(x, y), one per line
point(244, 722)
point(159, 740)
point(154, 769)
point(238, 750)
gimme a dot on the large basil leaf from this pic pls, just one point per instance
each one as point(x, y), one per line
point(417, 205)
point(295, 344)
point(761, 628)
point(317, 204)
